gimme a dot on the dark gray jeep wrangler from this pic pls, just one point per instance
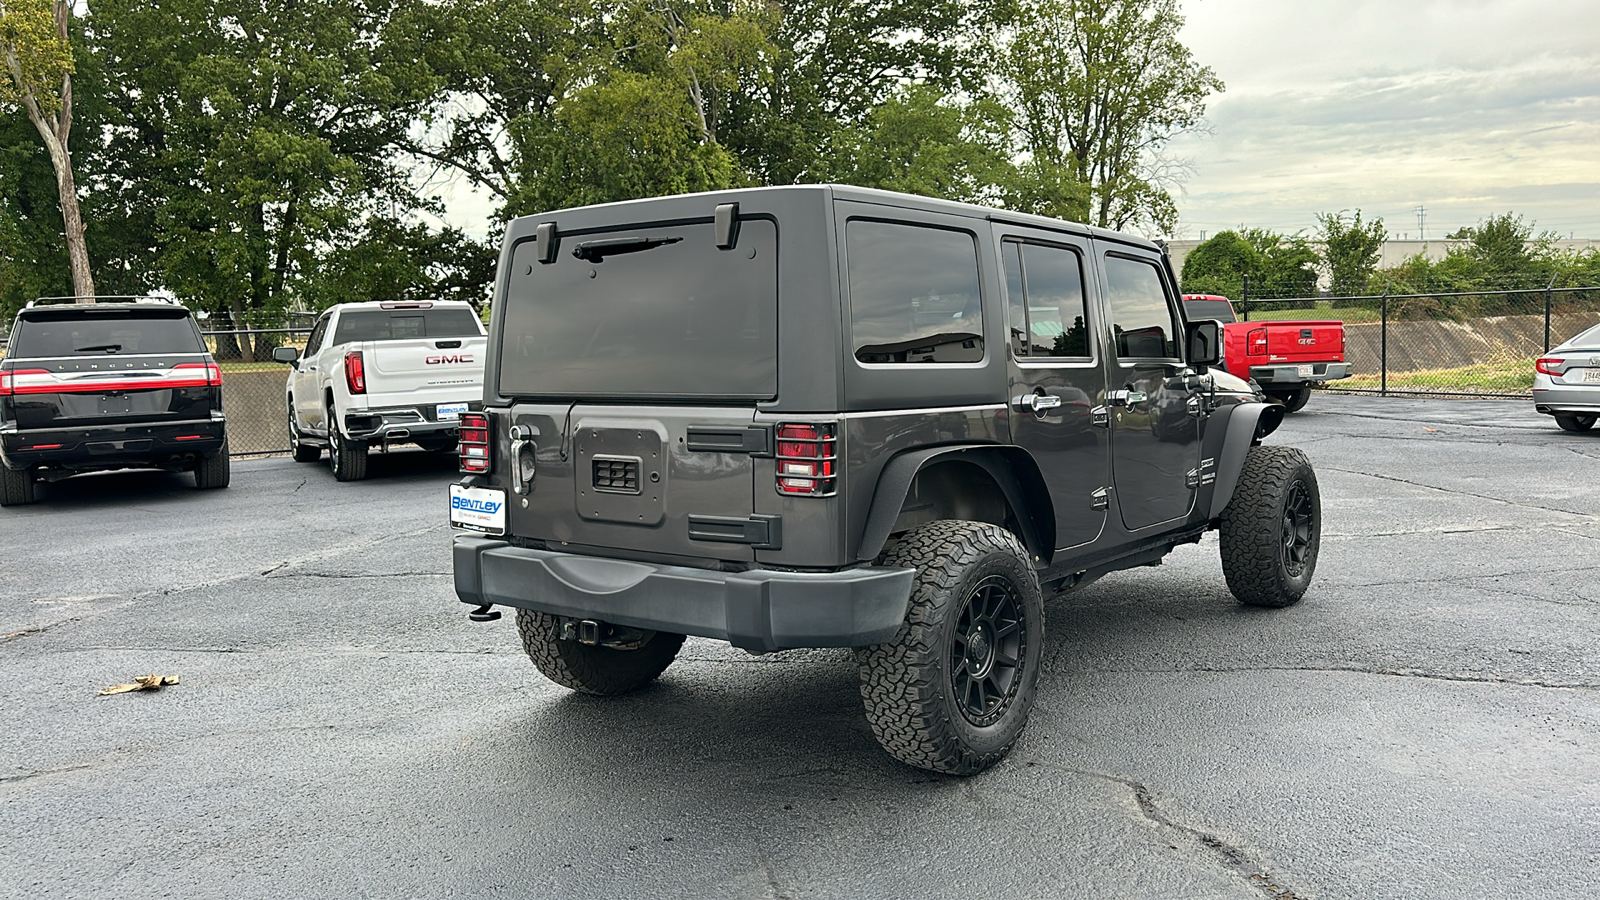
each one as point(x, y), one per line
point(825, 416)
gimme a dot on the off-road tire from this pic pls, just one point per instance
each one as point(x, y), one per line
point(1272, 528)
point(212, 471)
point(1292, 400)
point(16, 488)
point(1575, 423)
point(909, 683)
point(347, 458)
point(604, 671)
point(302, 452)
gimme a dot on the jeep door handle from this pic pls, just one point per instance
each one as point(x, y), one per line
point(1036, 403)
point(1126, 397)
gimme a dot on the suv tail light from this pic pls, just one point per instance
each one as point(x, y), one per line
point(807, 460)
point(1256, 342)
point(1546, 365)
point(213, 372)
point(355, 376)
point(474, 443)
point(8, 381)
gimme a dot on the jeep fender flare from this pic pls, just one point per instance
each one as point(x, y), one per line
point(1012, 468)
point(1248, 423)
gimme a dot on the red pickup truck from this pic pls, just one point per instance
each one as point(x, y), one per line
point(1284, 357)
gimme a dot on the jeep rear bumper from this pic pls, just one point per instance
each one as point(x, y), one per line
point(756, 610)
point(1290, 373)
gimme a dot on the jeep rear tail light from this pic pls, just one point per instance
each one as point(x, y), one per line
point(474, 443)
point(1545, 365)
point(355, 376)
point(1255, 343)
point(807, 460)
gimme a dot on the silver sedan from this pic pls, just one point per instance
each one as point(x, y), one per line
point(1566, 382)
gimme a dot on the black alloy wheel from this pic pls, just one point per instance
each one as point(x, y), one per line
point(987, 649)
point(1299, 529)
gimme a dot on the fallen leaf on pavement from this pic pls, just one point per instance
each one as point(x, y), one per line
point(141, 683)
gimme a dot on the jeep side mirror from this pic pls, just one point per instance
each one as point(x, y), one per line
point(285, 354)
point(1203, 339)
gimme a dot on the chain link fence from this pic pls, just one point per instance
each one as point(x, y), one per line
point(253, 386)
point(1478, 343)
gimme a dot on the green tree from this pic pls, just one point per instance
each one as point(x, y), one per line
point(1350, 251)
point(398, 261)
point(1277, 265)
point(256, 138)
point(36, 50)
point(920, 142)
point(1101, 87)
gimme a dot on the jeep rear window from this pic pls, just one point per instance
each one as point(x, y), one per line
point(401, 324)
point(103, 332)
point(652, 318)
point(913, 293)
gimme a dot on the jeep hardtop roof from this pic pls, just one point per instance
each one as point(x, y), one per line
point(599, 214)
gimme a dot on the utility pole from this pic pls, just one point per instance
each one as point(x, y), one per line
point(1422, 223)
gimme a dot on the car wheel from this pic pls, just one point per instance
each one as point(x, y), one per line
point(951, 692)
point(213, 471)
point(1292, 400)
point(17, 488)
point(302, 452)
point(347, 458)
point(1575, 423)
point(605, 671)
point(1272, 528)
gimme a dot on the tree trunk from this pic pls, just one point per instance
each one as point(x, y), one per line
point(55, 127)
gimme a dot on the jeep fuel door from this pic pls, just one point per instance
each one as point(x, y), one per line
point(1056, 379)
point(1155, 416)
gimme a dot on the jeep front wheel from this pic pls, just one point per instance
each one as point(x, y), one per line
point(951, 692)
point(1272, 528)
point(602, 670)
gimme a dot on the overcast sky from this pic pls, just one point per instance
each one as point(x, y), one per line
point(1467, 107)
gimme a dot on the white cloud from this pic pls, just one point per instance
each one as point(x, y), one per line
point(1470, 108)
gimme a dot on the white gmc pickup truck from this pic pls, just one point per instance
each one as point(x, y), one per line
point(382, 373)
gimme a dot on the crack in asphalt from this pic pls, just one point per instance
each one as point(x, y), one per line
point(1445, 490)
point(1467, 579)
point(59, 770)
point(41, 629)
point(359, 574)
point(1233, 857)
point(1460, 677)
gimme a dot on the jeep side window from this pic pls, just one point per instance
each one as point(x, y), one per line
point(1044, 285)
point(1142, 317)
point(913, 293)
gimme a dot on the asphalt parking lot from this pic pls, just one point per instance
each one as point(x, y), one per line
point(1423, 724)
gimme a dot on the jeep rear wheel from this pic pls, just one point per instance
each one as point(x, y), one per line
point(606, 671)
point(951, 692)
point(1272, 528)
point(16, 488)
point(347, 458)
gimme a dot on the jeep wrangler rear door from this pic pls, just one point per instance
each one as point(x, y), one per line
point(1155, 418)
point(634, 359)
point(1057, 377)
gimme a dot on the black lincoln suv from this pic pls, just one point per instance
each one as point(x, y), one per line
point(116, 383)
